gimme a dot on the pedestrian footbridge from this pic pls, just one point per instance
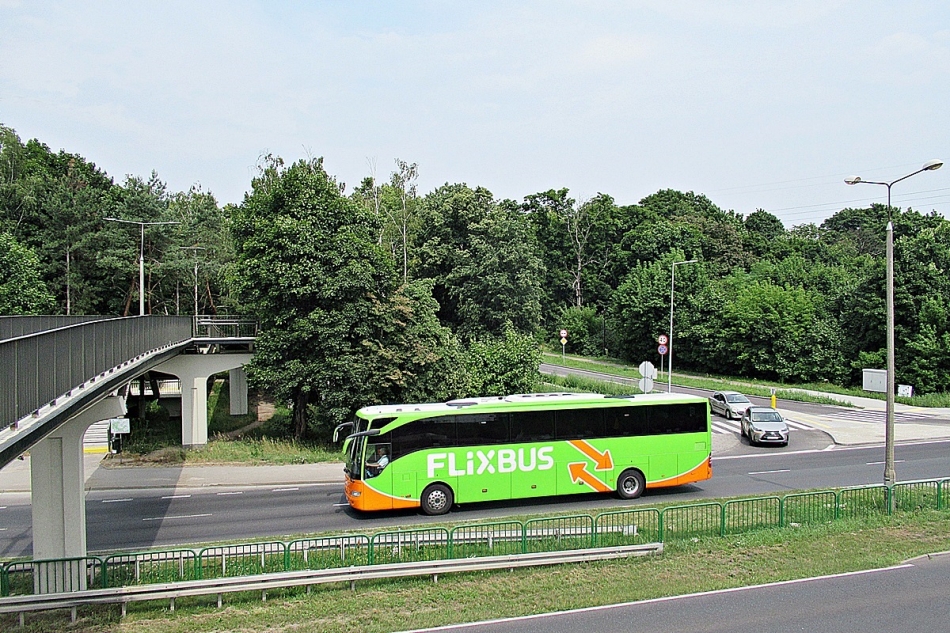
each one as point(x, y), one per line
point(60, 375)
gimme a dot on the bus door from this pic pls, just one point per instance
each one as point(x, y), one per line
point(532, 439)
point(480, 439)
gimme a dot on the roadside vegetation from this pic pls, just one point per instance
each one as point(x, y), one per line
point(252, 439)
point(688, 566)
point(748, 386)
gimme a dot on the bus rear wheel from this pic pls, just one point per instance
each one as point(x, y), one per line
point(630, 484)
point(437, 499)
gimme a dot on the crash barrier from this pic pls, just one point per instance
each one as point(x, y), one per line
point(633, 526)
point(265, 582)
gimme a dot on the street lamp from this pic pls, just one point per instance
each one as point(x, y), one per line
point(141, 256)
point(669, 367)
point(890, 476)
point(195, 249)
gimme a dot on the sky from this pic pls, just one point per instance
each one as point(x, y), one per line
point(755, 104)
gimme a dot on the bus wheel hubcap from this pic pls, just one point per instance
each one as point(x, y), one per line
point(436, 499)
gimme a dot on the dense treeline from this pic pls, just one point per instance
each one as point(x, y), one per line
point(384, 294)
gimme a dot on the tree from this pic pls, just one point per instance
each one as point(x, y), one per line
point(22, 291)
point(480, 258)
point(310, 269)
point(497, 283)
point(502, 366)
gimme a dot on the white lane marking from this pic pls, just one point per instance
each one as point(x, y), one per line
point(607, 607)
point(236, 492)
point(114, 500)
point(340, 505)
point(3, 507)
point(769, 472)
point(896, 461)
point(3, 529)
point(180, 516)
point(284, 489)
point(176, 497)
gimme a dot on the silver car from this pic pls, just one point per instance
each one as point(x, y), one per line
point(729, 404)
point(764, 425)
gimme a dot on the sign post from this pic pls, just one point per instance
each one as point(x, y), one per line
point(563, 343)
point(662, 341)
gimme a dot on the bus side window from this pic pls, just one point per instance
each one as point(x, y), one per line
point(435, 432)
point(532, 426)
point(578, 424)
point(627, 421)
point(482, 428)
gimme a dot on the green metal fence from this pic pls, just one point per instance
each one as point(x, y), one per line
point(486, 539)
point(55, 575)
point(404, 546)
point(327, 552)
point(242, 560)
point(623, 527)
point(745, 515)
point(627, 527)
point(149, 567)
point(556, 534)
point(805, 508)
point(862, 502)
point(691, 521)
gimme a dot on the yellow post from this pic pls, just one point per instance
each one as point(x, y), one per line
point(773, 397)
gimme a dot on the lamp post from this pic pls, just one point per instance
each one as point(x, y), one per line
point(890, 476)
point(669, 366)
point(141, 256)
point(195, 249)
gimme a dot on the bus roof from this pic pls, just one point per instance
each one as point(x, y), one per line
point(519, 401)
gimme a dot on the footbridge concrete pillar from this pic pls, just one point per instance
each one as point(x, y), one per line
point(237, 383)
point(59, 501)
point(193, 370)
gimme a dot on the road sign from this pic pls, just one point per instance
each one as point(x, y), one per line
point(563, 341)
point(662, 340)
point(662, 349)
point(646, 385)
point(563, 333)
point(647, 370)
point(119, 425)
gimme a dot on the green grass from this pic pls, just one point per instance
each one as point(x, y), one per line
point(686, 566)
point(157, 440)
point(749, 386)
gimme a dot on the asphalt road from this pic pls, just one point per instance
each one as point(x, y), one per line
point(134, 519)
point(909, 598)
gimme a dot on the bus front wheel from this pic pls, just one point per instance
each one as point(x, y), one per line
point(437, 499)
point(630, 484)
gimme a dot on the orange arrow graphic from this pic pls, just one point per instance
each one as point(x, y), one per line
point(579, 471)
point(602, 461)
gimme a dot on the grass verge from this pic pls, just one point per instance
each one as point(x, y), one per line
point(747, 385)
point(751, 388)
point(686, 566)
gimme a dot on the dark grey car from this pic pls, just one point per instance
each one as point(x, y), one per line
point(764, 425)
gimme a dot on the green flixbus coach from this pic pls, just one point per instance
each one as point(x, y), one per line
point(527, 445)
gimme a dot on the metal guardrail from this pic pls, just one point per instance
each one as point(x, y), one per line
point(40, 367)
point(266, 582)
point(225, 327)
point(16, 326)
